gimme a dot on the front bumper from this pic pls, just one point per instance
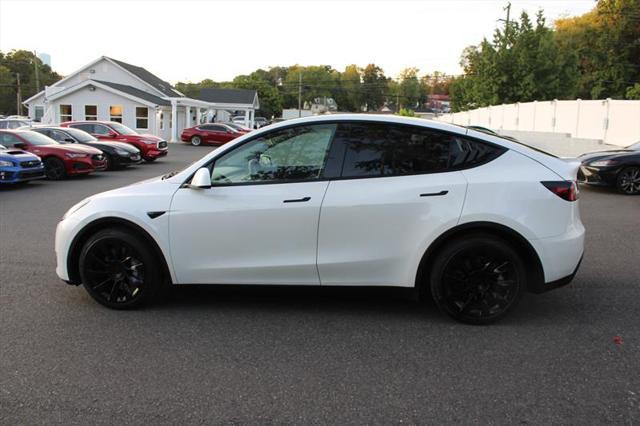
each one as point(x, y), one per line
point(128, 160)
point(602, 176)
point(19, 174)
point(156, 153)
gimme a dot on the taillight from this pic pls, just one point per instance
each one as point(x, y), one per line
point(565, 189)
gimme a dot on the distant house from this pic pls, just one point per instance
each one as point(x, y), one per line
point(112, 90)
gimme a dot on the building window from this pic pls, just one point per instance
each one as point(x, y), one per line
point(142, 118)
point(115, 113)
point(39, 112)
point(90, 112)
point(66, 113)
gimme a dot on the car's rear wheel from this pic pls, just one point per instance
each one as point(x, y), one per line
point(118, 269)
point(54, 168)
point(628, 181)
point(478, 279)
point(196, 141)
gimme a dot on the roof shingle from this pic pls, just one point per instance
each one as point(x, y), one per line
point(149, 78)
point(228, 96)
point(136, 92)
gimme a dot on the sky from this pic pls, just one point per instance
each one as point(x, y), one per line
point(196, 39)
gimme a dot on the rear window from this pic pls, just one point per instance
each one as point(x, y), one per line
point(378, 149)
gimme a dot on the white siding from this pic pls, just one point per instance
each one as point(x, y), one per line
point(107, 71)
point(103, 100)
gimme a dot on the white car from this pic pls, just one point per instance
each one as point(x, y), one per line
point(343, 200)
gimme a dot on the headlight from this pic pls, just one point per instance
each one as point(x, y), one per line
point(149, 142)
point(73, 155)
point(122, 152)
point(76, 207)
point(6, 163)
point(603, 163)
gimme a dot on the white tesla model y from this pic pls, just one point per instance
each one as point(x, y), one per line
point(471, 219)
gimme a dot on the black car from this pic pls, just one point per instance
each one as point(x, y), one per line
point(619, 168)
point(117, 154)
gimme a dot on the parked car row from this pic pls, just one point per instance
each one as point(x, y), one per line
point(73, 148)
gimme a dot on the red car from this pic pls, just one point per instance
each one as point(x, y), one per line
point(59, 160)
point(210, 134)
point(151, 147)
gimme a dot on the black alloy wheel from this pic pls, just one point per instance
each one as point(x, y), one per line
point(477, 280)
point(54, 168)
point(118, 270)
point(628, 181)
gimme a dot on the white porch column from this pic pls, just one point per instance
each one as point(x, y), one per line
point(252, 117)
point(174, 121)
point(246, 118)
point(187, 117)
point(198, 115)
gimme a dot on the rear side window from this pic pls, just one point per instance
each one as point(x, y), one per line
point(89, 128)
point(378, 149)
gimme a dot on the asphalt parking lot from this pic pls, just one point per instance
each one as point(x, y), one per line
point(299, 356)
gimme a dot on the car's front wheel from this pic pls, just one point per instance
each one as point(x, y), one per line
point(54, 168)
point(118, 269)
point(628, 181)
point(196, 141)
point(478, 279)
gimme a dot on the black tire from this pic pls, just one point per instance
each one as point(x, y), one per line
point(478, 279)
point(196, 141)
point(119, 270)
point(628, 181)
point(109, 162)
point(54, 169)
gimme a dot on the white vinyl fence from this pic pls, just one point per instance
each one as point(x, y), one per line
point(611, 121)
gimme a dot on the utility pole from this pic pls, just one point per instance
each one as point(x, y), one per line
point(300, 94)
point(506, 25)
point(18, 95)
point(35, 65)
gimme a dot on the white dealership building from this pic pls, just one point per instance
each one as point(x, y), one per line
point(111, 90)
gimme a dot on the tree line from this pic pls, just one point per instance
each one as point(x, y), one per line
point(592, 56)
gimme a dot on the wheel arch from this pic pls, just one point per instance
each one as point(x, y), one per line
point(103, 223)
point(535, 272)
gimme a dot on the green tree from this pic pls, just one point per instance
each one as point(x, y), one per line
point(350, 95)
point(268, 95)
point(409, 90)
point(374, 87)
point(25, 63)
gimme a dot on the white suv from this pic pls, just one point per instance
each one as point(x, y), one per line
point(343, 200)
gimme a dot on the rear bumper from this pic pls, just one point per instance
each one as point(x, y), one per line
point(560, 257)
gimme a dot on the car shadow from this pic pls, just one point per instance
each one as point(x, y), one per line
point(298, 299)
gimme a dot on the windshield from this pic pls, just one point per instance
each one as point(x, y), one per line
point(80, 136)
point(235, 127)
point(634, 146)
point(37, 139)
point(122, 129)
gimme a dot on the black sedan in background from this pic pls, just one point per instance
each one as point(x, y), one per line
point(618, 168)
point(117, 154)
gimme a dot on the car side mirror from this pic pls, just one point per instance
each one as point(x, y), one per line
point(20, 145)
point(69, 140)
point(201, 180)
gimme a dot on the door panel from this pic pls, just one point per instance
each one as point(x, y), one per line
point(246, 234)
point(374, 231)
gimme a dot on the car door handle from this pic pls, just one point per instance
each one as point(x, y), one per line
point(298, 200)
point(434, 194)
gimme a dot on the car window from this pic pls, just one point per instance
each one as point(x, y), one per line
point(89, 128)
point(217, 128)
point(59, 136)
point(294, 154)
point(99, 129)
point(37, 139)
point(377, 149)
point(206, 127)
point(7, 139)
